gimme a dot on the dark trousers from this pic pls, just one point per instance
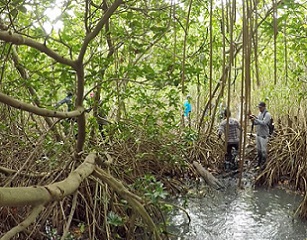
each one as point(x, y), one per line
point(262, 143)
point(228, 155)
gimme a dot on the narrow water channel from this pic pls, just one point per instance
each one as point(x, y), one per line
point(250, 214)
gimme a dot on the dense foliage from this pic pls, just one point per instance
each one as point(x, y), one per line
point(133, 63)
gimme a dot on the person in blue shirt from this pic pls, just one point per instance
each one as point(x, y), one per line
point(187, 108)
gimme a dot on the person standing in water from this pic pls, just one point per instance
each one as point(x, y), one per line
point(262, 129)
point(233, 138)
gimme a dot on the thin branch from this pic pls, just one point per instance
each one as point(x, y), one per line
point(38, 111)
point(26, 223)
point(4, 60)
point(184, 48)
point(21, 40)
point(162, 8)
point(25, 164)
point(8, 171)
point(181, 25)
point(98, 28)
point(86, 16)
point(72, 211)
point(149, 47)
point(24, 74)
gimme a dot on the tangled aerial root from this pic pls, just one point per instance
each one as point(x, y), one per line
point(106, 203)
point(100, 207)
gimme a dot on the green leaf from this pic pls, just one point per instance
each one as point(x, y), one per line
point(114, 219)
point(129, 15)
point(22, 9)
point(14, 12)
point(3, 3)
point(16, 2)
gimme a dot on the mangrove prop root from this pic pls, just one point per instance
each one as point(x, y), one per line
point(287, 161)
point(132, 199)
point(20, 196)
point(23, 225)
point(72, 210)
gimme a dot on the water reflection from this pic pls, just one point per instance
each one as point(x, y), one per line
point(249, 214)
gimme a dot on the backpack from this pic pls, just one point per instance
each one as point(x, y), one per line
point(270, 125)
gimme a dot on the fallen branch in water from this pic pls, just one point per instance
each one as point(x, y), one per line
point(208, 177)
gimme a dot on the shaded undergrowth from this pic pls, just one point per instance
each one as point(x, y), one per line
point(151, 161)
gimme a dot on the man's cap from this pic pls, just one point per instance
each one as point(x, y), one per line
point(261, 104)
point(189, 96)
